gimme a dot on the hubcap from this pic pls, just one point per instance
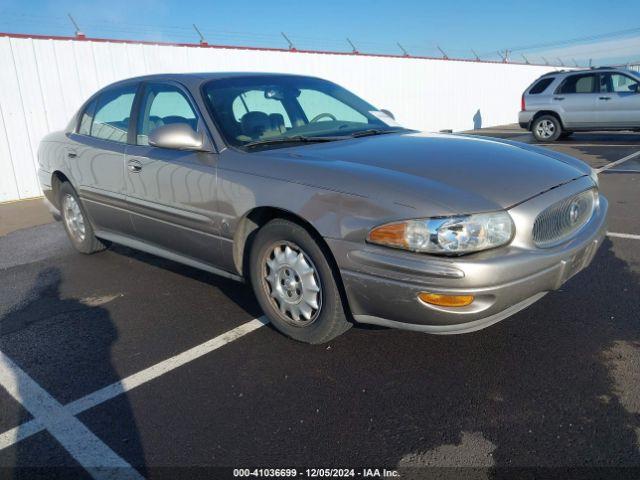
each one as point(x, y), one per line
point(73, 218)
point(291, 280)
point(545, 129)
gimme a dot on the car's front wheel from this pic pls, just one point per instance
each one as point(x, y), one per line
point(546, 128)
point(295, 284)
point(76, 221)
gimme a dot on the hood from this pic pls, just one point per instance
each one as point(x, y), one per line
point(497, 173)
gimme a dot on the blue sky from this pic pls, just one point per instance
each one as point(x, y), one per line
point(374, 26)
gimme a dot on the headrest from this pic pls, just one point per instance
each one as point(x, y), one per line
point(254, 124)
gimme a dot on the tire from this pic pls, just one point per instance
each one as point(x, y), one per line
point(291, 278)
point(546, 128)
point(76, 221)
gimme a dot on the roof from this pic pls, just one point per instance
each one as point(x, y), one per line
point(199, 77)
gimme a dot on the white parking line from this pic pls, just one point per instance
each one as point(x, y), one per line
point(617, 162)
point(88, 450)
point(60, 420)
point(148, 374)
point(623, 235)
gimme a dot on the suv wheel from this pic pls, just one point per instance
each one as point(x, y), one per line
point(295, 285)
point(546, 128)
point(76, 222)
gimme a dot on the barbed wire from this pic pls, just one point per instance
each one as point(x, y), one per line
point(184, 33)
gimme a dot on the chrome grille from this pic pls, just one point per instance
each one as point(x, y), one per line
point(561, 220)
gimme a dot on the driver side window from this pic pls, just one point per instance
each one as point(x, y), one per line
point(163, 104)
point(617, 83)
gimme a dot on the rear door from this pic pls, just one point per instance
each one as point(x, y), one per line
point(575, 99)
point(619, 100)
point(95, 156)
point(172, 193)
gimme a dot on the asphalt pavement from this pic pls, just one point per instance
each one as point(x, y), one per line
point(125, 359)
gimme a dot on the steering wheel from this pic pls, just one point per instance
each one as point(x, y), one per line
point(322, 115)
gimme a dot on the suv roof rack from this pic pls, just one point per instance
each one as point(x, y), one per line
point(555, 72)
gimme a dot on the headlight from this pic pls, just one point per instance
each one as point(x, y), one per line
point(447, 235)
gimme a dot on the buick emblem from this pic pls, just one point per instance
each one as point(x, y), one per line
point(574, 212)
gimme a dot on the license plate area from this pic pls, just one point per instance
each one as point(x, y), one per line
point(578, 262)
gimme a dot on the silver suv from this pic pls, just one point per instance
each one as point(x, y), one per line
point(560, 103)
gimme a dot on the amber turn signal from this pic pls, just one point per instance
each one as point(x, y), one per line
point(446, 300)
point(391, 234)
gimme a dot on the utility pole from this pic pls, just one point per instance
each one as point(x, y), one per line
point(444, 55)
point(202, 40)
point(354, 49)
point(291, 45)
point(406, 54)
point(79, 33)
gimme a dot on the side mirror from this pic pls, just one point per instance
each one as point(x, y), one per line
point(384, 110)
point(177, 136)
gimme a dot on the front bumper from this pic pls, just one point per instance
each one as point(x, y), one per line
point(382, 285)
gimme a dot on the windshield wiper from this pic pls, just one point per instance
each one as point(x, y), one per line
point(295, 139)
point(375, 131)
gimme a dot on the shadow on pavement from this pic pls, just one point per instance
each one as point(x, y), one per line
point(66, 322)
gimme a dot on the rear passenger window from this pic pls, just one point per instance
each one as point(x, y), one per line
point(579, 84)
point(87, 117)
point(541, 86)
point(113, 112)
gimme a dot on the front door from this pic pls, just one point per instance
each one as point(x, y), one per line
point(172, 193)
point(619, 100)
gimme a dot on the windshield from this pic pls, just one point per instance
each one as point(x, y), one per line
point(257, 109)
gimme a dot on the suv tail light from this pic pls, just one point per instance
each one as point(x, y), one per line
point(523, 105)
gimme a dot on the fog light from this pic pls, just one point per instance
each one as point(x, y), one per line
point(446, 300)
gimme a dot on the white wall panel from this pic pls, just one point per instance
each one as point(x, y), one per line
point(44, 81)
point(15, 124)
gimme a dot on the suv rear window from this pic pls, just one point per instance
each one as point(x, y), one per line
point(541, 86)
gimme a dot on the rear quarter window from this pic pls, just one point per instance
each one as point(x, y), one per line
point(541, 85)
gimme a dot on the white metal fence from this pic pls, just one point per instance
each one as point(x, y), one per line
point(43, 81)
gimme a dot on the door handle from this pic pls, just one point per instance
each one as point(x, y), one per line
point(72, 154)
point(134, 166)
point(558, 98)
point(605, 98)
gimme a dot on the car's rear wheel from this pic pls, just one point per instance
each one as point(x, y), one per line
point(295, 284)
point(546, 128)
point(76, 222)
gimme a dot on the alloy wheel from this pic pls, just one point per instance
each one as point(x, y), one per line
point(73, 218)
point(545, 129)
